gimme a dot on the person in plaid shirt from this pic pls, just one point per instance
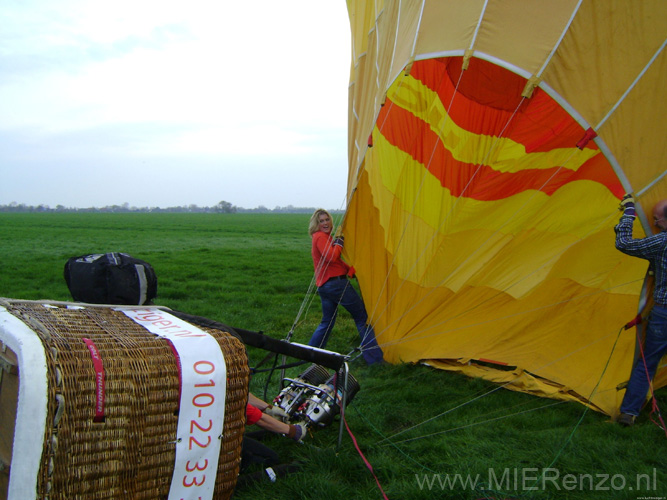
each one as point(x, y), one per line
point(654, 249)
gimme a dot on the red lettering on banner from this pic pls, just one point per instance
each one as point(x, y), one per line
point(201, 402)
point(182, 333)
point(201, 434)
point(151, 317)
point(169, 327)
point(187, 333)
point(163, 323)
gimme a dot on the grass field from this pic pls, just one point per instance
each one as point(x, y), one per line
point(426, 433)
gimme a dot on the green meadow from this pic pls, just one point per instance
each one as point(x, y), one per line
point(425, 433)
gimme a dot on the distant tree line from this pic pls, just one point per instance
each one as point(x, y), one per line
point(223, 207)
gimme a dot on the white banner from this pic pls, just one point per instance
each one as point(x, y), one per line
point(202, 405)
point(32, 406)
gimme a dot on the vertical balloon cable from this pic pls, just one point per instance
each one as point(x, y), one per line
point(560, 39)
point(419, 23)
point(479, 24)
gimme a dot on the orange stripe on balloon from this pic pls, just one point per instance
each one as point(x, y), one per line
point(487, 97)
point(481, 182)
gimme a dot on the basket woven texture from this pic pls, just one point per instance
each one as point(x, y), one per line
point(130, 454)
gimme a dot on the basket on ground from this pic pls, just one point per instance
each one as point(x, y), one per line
point(99, 402)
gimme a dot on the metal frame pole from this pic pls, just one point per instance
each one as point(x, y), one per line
point(346, 372)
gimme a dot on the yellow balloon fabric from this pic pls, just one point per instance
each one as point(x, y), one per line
point(489, 146)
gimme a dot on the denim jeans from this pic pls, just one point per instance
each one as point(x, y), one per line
point(654, 347)
point(340, 291)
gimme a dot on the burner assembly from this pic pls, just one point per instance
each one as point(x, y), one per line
point(316, 396)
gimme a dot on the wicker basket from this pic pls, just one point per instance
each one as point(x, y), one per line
point(131, 453)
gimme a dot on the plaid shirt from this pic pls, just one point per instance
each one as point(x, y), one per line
point(652, 248)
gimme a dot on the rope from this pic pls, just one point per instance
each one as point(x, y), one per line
point(475, 424)
point(368, 464)
point(377, 431)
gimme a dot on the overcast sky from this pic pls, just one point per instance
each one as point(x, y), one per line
point(161, 103)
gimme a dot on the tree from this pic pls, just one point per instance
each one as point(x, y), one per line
point(225, 207)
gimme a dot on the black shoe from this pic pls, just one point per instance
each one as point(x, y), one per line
point(626, 420)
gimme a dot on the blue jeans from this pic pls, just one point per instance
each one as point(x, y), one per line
point(655, 346)
point(340, 291)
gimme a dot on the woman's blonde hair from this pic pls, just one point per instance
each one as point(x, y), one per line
point(314, 223)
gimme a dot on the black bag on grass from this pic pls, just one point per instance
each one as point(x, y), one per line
point(111, 278)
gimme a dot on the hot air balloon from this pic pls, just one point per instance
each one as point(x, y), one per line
point(489, 145)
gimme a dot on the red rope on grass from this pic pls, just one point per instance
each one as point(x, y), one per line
point(368, 464)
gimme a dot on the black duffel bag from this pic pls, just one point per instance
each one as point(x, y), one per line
point(110, 278)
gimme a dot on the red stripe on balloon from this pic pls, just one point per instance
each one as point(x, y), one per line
point(414, 136)
point(484, 101)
